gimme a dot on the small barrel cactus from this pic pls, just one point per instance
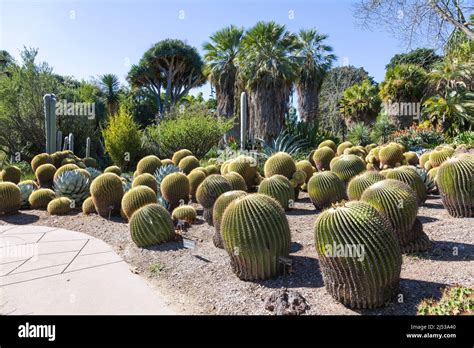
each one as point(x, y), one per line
point(437, 157)
point(348, 166)
point(208, 191)
point(246, 166)
point(325, 188)
point(148, 164)
point(306, 167)
point(322, 157)
point(391, 155)
point(329, 143)
point(166, 161)
point(411, 158)
point(113, 169)
point(73, 184)
point(175, 189)
point(42, 158)
point(280, 163)
point(237, 182)
point(212, 169)
point(361, 182)
point(359, 151)
point(146, 179)
point(107, 192)
point(196, 177)
point(342, 146)
point(40, 199)
point(184, 212)
point(359, 256)
point(256, 234)
point(410, 176)
point(455, 180)
point(10, 198)
point(398, 202)
point(11, 174)
point(88, 206)
point(151, 225)
point(425, 157)
point(26, 187)
point(188, 163)
point(90, 162)
point(60, 206)
point(136, 198)
point(45, 174)
point(279, 188)
point(179, 155)
point(160, 174)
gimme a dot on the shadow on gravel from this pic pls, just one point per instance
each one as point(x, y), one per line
point(447, 251)
point(300, 212)
point(304, 200)
point(427, 219)
point(170, 246)
point(433, 205)
point(20, 218)
point(295, 247)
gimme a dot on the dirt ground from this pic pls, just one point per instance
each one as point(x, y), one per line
point(200, 280)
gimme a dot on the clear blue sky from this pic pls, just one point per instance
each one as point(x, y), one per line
point(87, 38)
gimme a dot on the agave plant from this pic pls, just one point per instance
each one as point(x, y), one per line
point(160, 174)
point(285, 142)
point(430, 184)
point(72, 184)
point(93, 172)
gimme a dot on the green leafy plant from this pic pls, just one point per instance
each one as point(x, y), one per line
point(382, 129)
point(464, 138)
point(359, 134)
point(455, 300)
point(419, 135)
point(360, 102)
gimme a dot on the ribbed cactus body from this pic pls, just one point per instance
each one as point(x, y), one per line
point(188, 163)
point(398, 202)
point(151, 225)
point(359, 256)
point(179, 155)
point(175, 189)
point(237, 182)
point(329, 143)
point(65, 168)
point(166, 161)
point(60, 206)
point(322, 158)
point(146, 179)
point(280, 163)
point(279, 188)
point(246, 166)
point(342, 146)
point(88, 206)
point(45, 175)
point(359, 151)
point(325, 188)
point(136, 198)
point(40, 199)
point(437, 157)
point(409, 176)
point(391, 155)
point(196, 177)
point(11, 174)
point(256, 234)
point(113, 169)
point(107, 192)
point(425, 157)
point(348, 166)
point(411, 158)
point(184, 212)
point(210, 189)
point(10, 198)
point(361, 182)
point(90, 162)
point(42, 158)
point(455, 180)
point(148, 164)
point(306, 167)
point(212, 169)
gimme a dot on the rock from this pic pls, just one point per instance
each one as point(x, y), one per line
point(286, 302)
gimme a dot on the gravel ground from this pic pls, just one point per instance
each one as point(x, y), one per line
point(200, 280)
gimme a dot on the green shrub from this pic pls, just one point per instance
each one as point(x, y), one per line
point(195, 128)
point(359, 134)
point(382, 129)
point(419, 135)
point(464, 138)
point(121, 136)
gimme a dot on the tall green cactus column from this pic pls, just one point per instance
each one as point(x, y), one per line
point(243, 120)
point(50, 122)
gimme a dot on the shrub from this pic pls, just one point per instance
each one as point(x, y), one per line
point(464, 138)
point(121, 136)
point(422, 135)
point(195, 129)
point(382, 130)
point(359, 134)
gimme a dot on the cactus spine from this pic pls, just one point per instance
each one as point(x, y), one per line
point(10, 198)
point(151, 225)
point(279, 188)
point(325, 188)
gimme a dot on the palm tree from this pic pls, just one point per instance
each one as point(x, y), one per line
point(360, 103)
point(221, 69)
point(110, 85)
point(268, 67)
point(316, 61)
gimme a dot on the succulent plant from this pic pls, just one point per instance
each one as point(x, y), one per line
point(280, 163)
point(398, 202)
point(306, 167)
point(175, 189)
point(184, 212)
point(425, 157)
point(73, 184)
point(26, 188)
point(64, 169)
point(188, 163)
point(107, 192)
point(212, 169)
point(160, 174)
point(94, 173)
point(136, 198)
point(10, 198)
point(342, 146)
point(88, 206)
point(40, 199)
point(361, 182)
point(237, 182)
point(45, 175)
point(322, 157)
point(411, 158)
point(196, 177)
point(148, 164)
point(437, 157)
point(329, 143)
point(455, 180)
point(391, 155)
point(410, 176)
point(179, 155)
point(151, 225)
point(208, 192)
point(348, 166)
point(42, 158)
point(359, 151)
point(60, 206)
point(325, 188)
point(279, 188)
point(246, 166)
point(113, 169)
point(166, 161)
point(11, 174)
point(90, 162)
point(256, 234)
point(145, 179)
point(359, 256)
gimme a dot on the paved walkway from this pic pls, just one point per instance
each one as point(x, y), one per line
point(46, 270)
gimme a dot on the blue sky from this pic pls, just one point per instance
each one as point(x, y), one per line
point(87, 38)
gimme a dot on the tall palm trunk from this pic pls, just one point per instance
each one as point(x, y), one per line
point(225, 94)
point(308, 101)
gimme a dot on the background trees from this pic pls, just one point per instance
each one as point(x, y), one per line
point(423, 57)
point(360, 103)
point(110, 85)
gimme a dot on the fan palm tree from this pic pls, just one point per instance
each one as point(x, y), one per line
point(110, 85)
point(221, 69)
point(360, 103)
point(268, 67)
point(316, 60)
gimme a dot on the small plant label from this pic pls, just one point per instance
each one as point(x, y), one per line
point(189, 243)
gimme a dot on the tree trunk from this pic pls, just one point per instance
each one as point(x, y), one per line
point(308, 101)
point(225, 95)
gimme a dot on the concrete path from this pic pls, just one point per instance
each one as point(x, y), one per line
point(46, 270)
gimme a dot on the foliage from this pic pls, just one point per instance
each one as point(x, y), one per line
point(195, 129)
point(382, 129)
point(110, 86)
point(464, 138)
point(420, 136)
point(292, 144)
point(359, 134)
point(456, 300)
point(360, 102)
point(423, 57)
point(142, 104)
point(122, 136)
point(404, 83)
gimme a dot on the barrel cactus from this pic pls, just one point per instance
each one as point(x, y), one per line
point(196, 177)
point(361, 182)
point(410, 176)
point(45, 175)
point(208, 191)
point(411, 158)
point(179, 155)
point(151, 225)
point(90, 162)
point(329, 143)
point(73, 184)
point(42, 158)
point(246, 166)
point(306, 167)
point(40, 199)
point(113, 169)
point(342, 146)
point(325, 188)
point(136, 198)
point(175, 189)
point(398, 202)
point(145, 179)
point(107, 192)
point(11, 174)
point(256, 234)
point(148, 164)
point(188, 163)
point(26, 188)
point(280, 163)
point(237, 182)
point(88, 206)
point(437, 157)
point(10, 198)
point(212, 169)
point(455, 180)
point(160, 174)
point(359, 256)
point(391, 155)
point(60, 206)
point(279, 188)
point(184, 212)
point(348, 166)
point(322, 157)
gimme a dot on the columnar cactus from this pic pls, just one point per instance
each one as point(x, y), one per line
point(184, 212)
point(279, 188)
point(151, 225)
point(107, 192)
point(11, 174)
point(10, 198)
point(88, 206)
point(45, 175)
point(113, 169)
point(280, 163)
point(359, 256)
point(208, 192)
point(237, 182)
point(136, 198)
point(325, 188)
point(40, 199)
point(188, 163)
point(398, 202)
point(60, 206)
point(42, 158)
point(196, 177)
point(455, 180)
point(179, 155)
point(329, 143)
point(361, 182)
point(409, 176)
point(145, 180)
point(148, 164)
point(342, 146)
point(175, 189)
point(322, 157)
point(348, 166)
point(256, 234)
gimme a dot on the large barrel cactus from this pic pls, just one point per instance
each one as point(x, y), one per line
point(237, 182)
point(411, 158)
point(145, 179)
point(437, 157)
point(113, 169)
point(410, 176)
point(11, 174)
point(65, 168)
point(42, 158)
point(359, 256)
point(280, 163)
point(179, 155)
point(398, 202)
point(245, 166)
point(279, 188)
point(136, 198)
point(45, 175)
point(40, 199)
point(10, 198)
point(391, 155)
point(256, 234)
point(306, 166)
point(107, 192)
point(188, 163)
point(151, 225)
point(209, 190)
point(455, 180)
point(160, 174)
point(342, 147)
point(325, 188)
point(73, 184)
point(175, 189)
point(322, 157)
point(348, 166)
point(361, 182)
point(60, 206)
point(196, 177)
point(148, 164)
